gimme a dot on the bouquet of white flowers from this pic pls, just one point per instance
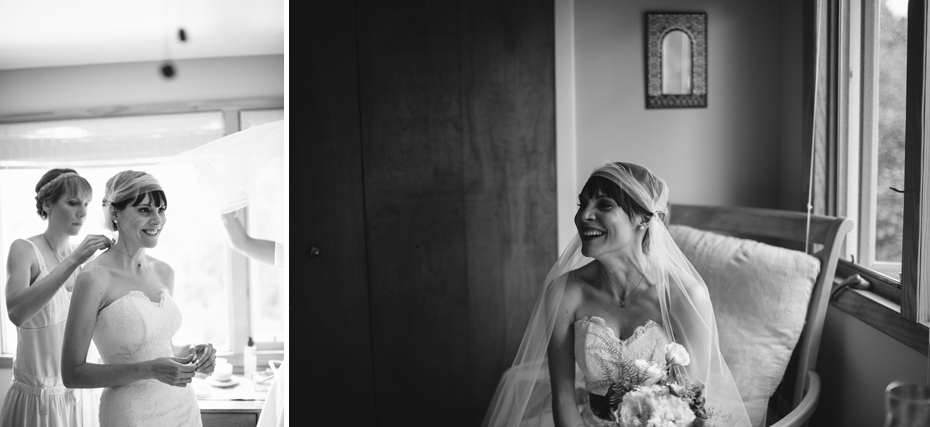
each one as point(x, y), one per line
point(653, 397)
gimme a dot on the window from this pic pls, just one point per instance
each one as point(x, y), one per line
point(264, 290)
point(880, 223)
point(886, 88)
point(211, 281)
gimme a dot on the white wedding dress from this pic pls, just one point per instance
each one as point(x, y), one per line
point(605, 359)
point(133, 329)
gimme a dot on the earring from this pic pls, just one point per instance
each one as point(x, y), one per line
point(640, 227)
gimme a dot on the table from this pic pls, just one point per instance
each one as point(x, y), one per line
point(236, 406)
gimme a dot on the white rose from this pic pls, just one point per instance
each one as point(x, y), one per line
point(653, 373)
point(675, 354)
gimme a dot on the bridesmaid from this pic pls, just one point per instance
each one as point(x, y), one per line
point(40, 276)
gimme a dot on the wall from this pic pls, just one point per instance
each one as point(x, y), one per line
point(727, 153)
point(81, 87)
point(432, 201)
point(793, 165)
point(856, 363)
point(56, 88)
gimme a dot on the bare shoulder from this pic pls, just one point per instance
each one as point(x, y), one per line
point(93, 278)
point(22, 249)
point(163, 271)
point(696, 289)
point(582, 277)
point(577, 285)
point(93, 271)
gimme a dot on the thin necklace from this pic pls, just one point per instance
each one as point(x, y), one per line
point(624, 300)
point(54, 252)
point(124, 253)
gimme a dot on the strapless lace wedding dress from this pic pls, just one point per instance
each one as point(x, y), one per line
point(134, 329)
point(605, 359)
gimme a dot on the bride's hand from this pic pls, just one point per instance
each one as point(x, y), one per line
point(89, 246)
point(204, 357)
point(174, 371)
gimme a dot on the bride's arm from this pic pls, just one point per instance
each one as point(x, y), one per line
point(76, 372)
point(562, 361)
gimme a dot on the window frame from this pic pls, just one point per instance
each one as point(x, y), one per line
point(237, 264)
point(860, 90)
point(915, 273)
point(890, 303)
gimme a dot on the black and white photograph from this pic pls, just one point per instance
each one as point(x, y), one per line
point(615, 213)
point(144, 213)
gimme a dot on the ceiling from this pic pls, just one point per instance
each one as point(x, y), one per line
point(49, 33)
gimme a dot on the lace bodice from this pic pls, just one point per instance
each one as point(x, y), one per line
point(134, 328)
point(603, 357)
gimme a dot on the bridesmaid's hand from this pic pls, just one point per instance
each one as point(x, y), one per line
point(174, 371)
point(204, 357)
point(89, 246)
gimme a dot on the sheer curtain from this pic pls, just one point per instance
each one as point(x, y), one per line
point(820, 87)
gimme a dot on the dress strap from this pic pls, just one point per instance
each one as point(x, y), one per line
point(42, 264)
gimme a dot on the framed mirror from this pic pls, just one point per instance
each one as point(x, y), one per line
point(676, 60)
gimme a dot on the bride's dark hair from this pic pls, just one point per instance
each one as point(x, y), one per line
point(135, 193)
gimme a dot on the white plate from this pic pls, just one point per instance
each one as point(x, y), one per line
point(222, 384)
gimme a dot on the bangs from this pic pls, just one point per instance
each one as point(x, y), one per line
point(598, 186)
point(75, 186)
point(158, 198)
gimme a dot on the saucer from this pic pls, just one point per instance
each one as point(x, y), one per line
point(222, 384)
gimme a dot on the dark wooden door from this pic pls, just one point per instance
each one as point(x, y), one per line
point(436, 220)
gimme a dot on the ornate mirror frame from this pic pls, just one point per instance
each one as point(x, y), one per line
point(657, 26)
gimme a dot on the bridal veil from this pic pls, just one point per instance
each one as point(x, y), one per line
point(246, 168)
point(523, 396)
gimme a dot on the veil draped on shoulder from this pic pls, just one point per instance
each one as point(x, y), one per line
point(246, 168)
point(524, 395)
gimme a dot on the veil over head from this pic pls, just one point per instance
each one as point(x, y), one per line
point(524, 394)
point(123, 186)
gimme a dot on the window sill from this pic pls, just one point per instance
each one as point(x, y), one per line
point(882, 314)
point(262, 358)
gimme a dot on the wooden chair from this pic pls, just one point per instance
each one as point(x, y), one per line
point(796, 397)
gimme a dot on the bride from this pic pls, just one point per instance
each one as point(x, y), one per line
point(628, 338)
point(123, 300)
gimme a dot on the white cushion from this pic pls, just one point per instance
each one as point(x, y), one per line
point(760, 295)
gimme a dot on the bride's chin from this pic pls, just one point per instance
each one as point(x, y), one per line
point(586, 251)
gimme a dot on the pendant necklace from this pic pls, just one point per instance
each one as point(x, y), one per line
point(54, 252)
point(130, 256)
point(624, 300)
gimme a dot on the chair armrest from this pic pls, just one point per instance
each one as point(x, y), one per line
point(800, 414)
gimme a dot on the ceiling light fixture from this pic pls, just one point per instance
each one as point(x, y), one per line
point(167, 67)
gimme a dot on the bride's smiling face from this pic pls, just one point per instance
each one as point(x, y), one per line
point(603, 226)
point(142, 224)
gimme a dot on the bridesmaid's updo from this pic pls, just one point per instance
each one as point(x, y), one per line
point(56, 183)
